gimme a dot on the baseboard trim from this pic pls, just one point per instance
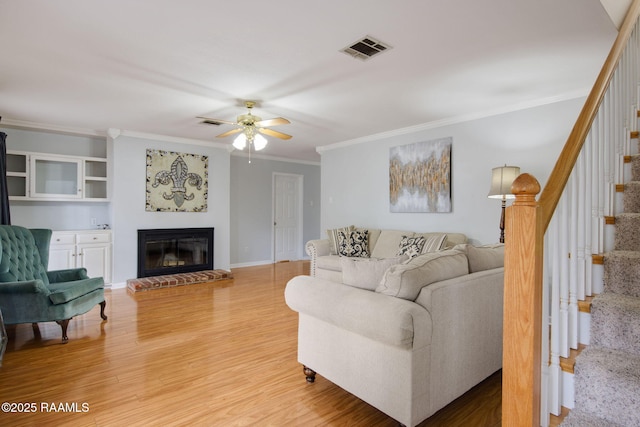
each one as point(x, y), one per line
point(251, 263)
point(264, 262)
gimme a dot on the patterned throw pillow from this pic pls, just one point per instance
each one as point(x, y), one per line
point(355, 244)
point(434, 243)
point(411, 246)
point(333, 237)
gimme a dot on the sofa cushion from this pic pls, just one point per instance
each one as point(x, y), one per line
point(329, 262)
point(353, 244)
point(406, 280)
point(411, 246)
point(64, 292)
point(454, 239)
point(366, 273)
point(333, 237)
point(483, 257)
point(388, 243)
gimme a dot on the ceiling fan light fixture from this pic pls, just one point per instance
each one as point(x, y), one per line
point(240, 142)
point(249, 127)
point(259, 142)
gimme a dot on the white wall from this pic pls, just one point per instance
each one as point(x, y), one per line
point(128, 201)
point(252, 207)
point(355, 178)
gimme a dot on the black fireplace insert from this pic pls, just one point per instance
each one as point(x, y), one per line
point(174, 250)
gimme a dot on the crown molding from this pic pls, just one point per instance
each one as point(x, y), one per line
point(47, 127)
point(455, 120)
point(112, 133)
point(240, 153)
point(174, 139)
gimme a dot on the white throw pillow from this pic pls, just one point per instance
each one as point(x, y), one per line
point(406, 280)
point(483, 257)
point(366, 273)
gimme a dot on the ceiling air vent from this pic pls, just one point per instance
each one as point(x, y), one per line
point(365, 48)
point(211, 122)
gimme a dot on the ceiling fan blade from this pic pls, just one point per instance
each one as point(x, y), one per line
point(216, 121)
point(272, 122)
point(275, 133)
point(229, 132)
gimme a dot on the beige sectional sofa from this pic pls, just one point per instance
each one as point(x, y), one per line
point(410, 341)
point(326, 263)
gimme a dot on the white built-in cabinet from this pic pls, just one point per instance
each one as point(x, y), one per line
point(43, 176)
point(90, 249)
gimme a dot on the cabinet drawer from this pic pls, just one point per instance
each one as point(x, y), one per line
point(63, 239)
point(94, 238)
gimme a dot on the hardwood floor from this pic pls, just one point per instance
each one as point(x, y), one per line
point(214, 354)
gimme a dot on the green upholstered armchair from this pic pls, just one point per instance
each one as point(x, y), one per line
point(31, 294)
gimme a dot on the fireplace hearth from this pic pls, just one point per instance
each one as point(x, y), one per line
point(164, 251)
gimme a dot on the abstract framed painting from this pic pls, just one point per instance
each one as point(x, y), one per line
point(420, 176)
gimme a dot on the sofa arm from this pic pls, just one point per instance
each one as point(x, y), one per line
point(467, 331)
point(68, 275)
point(24, 287)
point(394, 321)
point(316, 248)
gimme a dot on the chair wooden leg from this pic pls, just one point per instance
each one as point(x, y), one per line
point(63, 324)
point(36, 330)
point(103, 304)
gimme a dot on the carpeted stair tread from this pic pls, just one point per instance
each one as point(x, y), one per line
point(607, 385)
point(635, 167)
point(622, 272)
point(607, 372)
point(577, 418)
point(615, 322)
point(631, 196)
point(627, 237)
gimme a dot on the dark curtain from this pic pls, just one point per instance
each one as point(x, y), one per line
point(5, 216)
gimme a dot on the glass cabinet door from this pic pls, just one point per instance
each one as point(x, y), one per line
point(56, 177)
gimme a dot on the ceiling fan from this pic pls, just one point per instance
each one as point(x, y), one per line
point(250, 127)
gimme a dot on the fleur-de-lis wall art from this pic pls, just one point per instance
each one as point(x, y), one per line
point(176, 182)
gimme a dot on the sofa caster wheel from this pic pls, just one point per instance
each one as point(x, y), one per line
point(310, 374)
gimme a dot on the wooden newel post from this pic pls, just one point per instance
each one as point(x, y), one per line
point(522, 307)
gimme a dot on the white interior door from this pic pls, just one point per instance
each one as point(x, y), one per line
point(287, 217)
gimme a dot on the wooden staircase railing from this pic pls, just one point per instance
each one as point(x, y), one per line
point(526, 223)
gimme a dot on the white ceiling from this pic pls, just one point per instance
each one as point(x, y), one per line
point(152, 66)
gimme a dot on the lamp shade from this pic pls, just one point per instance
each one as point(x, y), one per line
point(501, 179)
point(259, 142)
point(240, 142)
